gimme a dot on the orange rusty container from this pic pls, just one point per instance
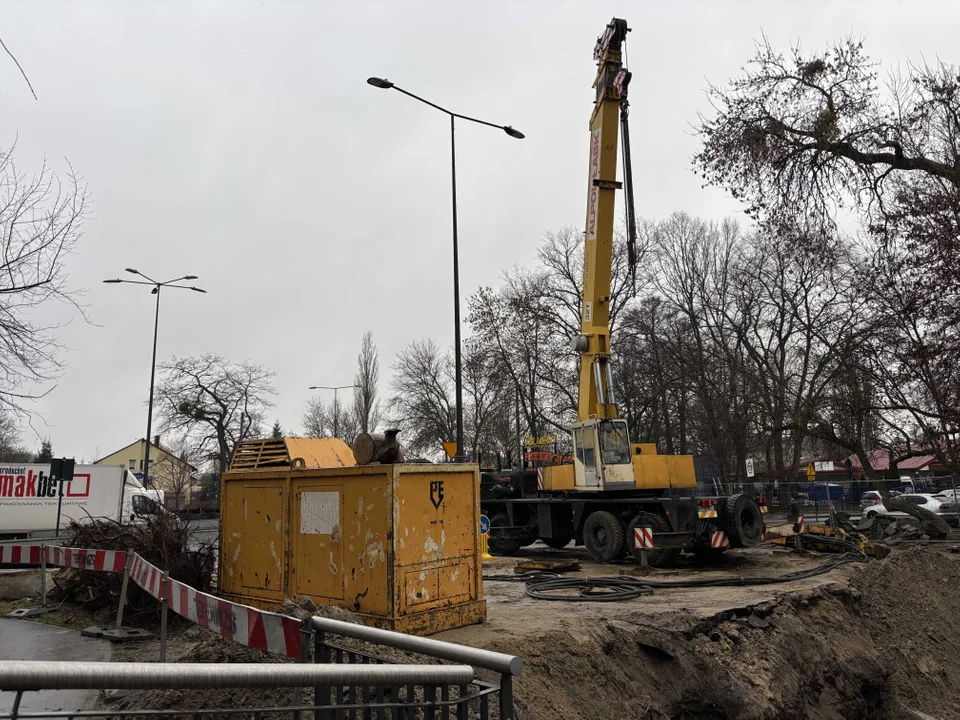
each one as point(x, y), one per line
point(397, 544)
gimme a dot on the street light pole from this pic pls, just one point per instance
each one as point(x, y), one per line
point(458, 372)
point(153, 355)
point(385, 84)
point(153, 373)
point(336, 406)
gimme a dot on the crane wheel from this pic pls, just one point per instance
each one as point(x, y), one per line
point(557, 543)
point(501, 545)
point(742, 520)
point(662, 557)
point(603, 535)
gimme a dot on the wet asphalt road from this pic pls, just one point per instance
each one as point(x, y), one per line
point(25, 640)
point(204, 531)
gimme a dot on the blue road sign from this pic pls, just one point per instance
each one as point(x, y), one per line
point(484, 525)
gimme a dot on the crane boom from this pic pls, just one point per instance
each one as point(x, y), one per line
point(601, 441)
point(596, 398)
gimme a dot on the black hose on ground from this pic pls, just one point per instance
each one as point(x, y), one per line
point(551, 586)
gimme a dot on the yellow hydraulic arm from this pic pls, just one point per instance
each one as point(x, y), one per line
point(596, 399)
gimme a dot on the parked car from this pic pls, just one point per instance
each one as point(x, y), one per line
point(873, 497)
point(938, 504)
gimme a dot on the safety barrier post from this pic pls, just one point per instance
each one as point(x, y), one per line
point(304, 657)
point(321, 654)
point(43, 575)
point(164, 604)
point(123, 587)
point(506, 696)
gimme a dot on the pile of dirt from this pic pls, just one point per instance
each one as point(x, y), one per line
point(911, 608)
point(878, 643)
point(202, 646)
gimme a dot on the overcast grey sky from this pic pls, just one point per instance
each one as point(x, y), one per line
point(238, 141)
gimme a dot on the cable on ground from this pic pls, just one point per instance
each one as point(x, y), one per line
point(551, 586)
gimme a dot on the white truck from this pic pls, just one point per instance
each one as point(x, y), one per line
point(29, 500)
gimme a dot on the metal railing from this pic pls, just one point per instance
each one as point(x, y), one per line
point(475, 698)
point(372, 680)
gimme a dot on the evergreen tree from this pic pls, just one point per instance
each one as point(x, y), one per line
point(46, 452)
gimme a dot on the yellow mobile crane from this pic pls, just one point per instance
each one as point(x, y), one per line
point(616, 497)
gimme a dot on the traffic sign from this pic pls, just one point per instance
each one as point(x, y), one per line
point(484, 525)
point(749, 467)
point(811, 473)
point(541, 441)
point(450, 448)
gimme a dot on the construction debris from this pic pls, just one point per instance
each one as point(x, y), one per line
point(162, 540)
point(556, 566)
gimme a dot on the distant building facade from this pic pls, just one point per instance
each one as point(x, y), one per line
point(167, 472)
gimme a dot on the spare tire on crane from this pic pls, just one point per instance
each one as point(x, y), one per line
point(742, 521)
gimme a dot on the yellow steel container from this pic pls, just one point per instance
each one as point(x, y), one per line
point(397, 544)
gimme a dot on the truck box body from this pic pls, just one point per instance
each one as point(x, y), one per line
point(397, 544)
point(28, 499)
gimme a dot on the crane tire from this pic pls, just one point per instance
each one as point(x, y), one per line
point(662, 557)
point(742, 521)
point(503, 545)
point(557, 543)
point(603, 536)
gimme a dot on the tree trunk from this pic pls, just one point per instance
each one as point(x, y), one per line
point(932, 524)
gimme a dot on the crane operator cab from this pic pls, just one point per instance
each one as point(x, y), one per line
point(601, 455)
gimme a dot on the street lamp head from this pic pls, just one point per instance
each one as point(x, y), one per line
point(513, 133)
point(115, 280)
point(189, 277)
point(381, 83)
point(132, 270)
point(196, 289)
point(155, 291)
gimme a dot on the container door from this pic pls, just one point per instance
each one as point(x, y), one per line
point(318, 524)
point(260, 559)
point(435, 531)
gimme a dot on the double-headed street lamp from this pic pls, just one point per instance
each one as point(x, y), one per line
point(336, 406)
point(385, 84)
point(153, 361)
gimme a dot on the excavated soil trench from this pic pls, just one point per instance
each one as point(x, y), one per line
point(877, 640)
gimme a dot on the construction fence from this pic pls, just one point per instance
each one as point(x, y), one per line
point(396, 693)
point(813, 497)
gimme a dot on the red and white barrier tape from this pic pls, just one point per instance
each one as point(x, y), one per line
point(103, 560)
point(243, 624)
point(20, 554)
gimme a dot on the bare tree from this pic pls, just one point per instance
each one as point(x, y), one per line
point(486, 392)
point(423, 404)
point(366, 406)
point(217, 402)
point(11, 449)
point(41, 218)
point(800, 135)
point(333, 420)
point(178, 469)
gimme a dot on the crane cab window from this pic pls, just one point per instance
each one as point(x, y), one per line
point(585, 452)
point(614, 443)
